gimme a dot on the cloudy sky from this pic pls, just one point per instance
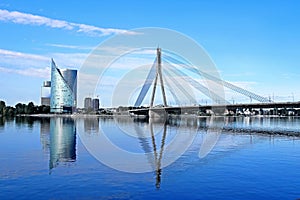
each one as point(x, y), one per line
point(254, 44)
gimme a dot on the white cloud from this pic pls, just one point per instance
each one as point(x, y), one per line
point(97, 31)
point(66, 46)
point(33, 72)
point(36, 20)
point(13, 59)
point(24, 18)
point(14, 54)
point(37, 65)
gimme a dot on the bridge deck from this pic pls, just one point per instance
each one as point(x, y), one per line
point(177, 110)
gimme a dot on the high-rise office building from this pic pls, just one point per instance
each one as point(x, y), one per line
point(88, 103)
point(63, 89)
point(91, 104)
point(46, 93)
point(95, 104)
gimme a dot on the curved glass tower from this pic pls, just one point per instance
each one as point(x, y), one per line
point(63, 90)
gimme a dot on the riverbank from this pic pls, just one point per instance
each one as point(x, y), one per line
point(124, 115)
point(256, 125)
point(65, 115)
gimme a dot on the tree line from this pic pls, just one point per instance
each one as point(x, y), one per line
point(21, 108)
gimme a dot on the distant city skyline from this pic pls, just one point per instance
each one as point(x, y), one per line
point(254, 44)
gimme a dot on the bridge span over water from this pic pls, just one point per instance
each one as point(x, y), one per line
point(177, 71)
point(273, 108)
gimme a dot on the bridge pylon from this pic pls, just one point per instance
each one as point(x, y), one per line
point(160, 77)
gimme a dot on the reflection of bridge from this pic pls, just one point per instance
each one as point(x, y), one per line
point(179, 83)
point(155, 145)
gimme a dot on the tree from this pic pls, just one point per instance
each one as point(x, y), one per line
point(20, 108)
point(46, 109)
point(9, 111)
point(43, 109)
point(2, 106)
point(30, 108)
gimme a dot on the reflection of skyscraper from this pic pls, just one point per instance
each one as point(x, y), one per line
point(45, 133)
point(63, 89)
point(62, 141)
point(91, 125)
point(46, 93)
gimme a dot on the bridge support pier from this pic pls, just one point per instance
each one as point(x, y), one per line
point(158, 113)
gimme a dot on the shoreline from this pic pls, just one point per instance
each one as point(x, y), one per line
point(118, 115)
point(225, 128)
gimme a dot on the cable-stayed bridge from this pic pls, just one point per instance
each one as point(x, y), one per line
point(179, 78)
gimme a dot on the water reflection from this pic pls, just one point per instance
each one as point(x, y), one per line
point(2, 122)
point(91, 125)
point(62, 141)
point(45, 134)
point(265, 125)
point(28, 121)
point(152, 138)
point(244, 159)
point(158, 157)
point(58, 135)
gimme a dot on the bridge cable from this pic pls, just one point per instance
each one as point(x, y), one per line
point(170, 87)
point(210, 94)
point(178, 85)
point(147, 84)
point(218, 80)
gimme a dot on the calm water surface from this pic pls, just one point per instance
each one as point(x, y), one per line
point(252, 158)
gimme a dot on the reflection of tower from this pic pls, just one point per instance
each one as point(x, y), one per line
point(91, 125)
point(158, 157)
point(62, 141)
point(45, 134)
point(63, 89)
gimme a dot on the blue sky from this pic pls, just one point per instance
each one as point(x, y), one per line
point(254, 44)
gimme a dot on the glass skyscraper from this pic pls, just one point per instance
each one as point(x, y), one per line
point(63, 89)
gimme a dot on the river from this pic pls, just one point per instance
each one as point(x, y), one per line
point(126, 158)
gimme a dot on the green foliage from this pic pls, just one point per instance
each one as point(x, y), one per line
point(30, 108)
point(21, 108)
point(43, 109)
point(2, 106)
point(9, 111)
